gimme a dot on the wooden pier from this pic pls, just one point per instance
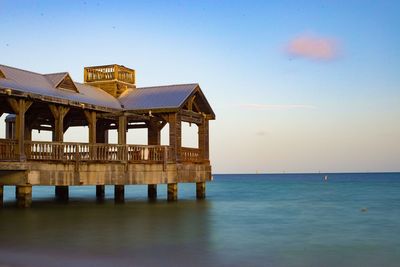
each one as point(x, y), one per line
point(108, 100)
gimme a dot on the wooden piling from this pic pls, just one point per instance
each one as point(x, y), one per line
point(173, 192)
point(24, 196)
point(119, 193)
point(152, 191)
point(62, 192)
point(100, 191)
point(1, 195)
point(201, 190)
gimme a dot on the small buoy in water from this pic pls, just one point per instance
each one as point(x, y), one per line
point(326, 178)
point(212, 177)
point(364, 209)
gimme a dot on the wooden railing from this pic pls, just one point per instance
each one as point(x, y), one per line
point(109, 72)
point(95, 152)
point(190, 154)
point(63, 151)
point(8, 149)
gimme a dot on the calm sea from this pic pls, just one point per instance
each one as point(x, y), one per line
point(246, 220)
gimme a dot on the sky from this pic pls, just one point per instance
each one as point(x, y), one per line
point(297, 86)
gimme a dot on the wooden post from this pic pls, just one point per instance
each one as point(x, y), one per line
point(62, 192)
point(119, 193)
point(59, 113)
point(24, 196)
point(100, 192)
point(153, 138)
point(175, 135)
point(152, 191)
point(1, 195)
point(20, 107)
point(153, 133)
point(122, 125)
point(201, 190)
point(92, 120)
point(204, 144)
point(172, 192)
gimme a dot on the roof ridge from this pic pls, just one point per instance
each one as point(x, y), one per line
point(37, 73)
point(169, 85)
point(62, 72)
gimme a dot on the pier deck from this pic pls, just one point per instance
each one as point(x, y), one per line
point(109, 100)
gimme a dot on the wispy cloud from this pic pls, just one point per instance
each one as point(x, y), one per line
point(314, 47)
point(277, 106)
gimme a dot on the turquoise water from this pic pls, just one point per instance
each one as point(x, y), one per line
point(246, 220)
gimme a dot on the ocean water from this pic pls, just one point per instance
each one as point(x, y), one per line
point(246, 220)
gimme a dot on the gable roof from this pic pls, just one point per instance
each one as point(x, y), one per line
point(157, 97)
point(44, 85)
point(62, 80)
point(168, 98)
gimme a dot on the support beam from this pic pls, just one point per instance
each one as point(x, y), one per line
point(20, 106)
point(100, 192)
point(59, 113)
point(175, 135)
point(152, 191)
point(119, 193)
point(201, 190)
point(172, 192)
point(62, 192)
point(24, 196)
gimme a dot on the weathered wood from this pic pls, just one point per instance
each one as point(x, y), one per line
point(201, 190)
point(175, 133)
point(152, 191)
point(172, 192)
point(20, 106)
point(122, 124)
point(24, 196)
point(119, 193)
point(59, 113)
point(204, 145)
point(91, 119)
point(100, 191)
point(62, 192)
point(1, 195)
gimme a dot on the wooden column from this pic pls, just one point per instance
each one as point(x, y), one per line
point(59, 113)
point(204, 139)
point(62, 192)
point(153, 133)
point(119, 193)
point(100, 192)
point(201, 190)
point(175, 135)
point(172, 192)
point(24, 196)
point(152, 191)
point(122, 125)
point(153, 138)
point(1, 195)
point(92, 120)
point(20, 106)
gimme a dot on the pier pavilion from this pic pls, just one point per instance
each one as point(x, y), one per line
point(107, 100)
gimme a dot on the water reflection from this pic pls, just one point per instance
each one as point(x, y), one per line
point(147, 233)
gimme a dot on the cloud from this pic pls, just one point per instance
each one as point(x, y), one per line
point(313, 47)
point(277, 106)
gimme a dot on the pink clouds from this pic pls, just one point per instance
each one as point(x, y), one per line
point(313, 47)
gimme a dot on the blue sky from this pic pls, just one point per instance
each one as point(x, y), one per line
point(280, 105)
